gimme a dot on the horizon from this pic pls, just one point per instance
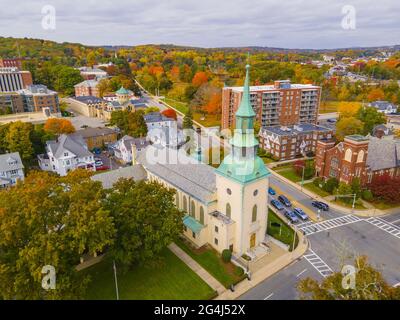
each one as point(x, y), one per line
point(298, 25)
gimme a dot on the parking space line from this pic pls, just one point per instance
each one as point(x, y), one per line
point(301, 273)
point(322, 268)
point(269, 296)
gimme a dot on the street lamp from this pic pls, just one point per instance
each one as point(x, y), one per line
point(353, 195)
point(302, 176)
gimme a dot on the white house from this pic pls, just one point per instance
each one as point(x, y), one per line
point(66, 153)
point(163, 130)
point(123, 147)
point(11, 169)
point(384, 107)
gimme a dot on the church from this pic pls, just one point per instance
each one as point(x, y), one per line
point(226, 207)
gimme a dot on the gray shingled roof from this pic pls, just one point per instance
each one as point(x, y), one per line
point(108, 179)
point(10, 161)
point(72, 143)
point(94, 132)
point(192, 177)
point(383, 153)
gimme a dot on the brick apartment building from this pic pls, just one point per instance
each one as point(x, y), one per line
point(286, 143)
point(11, 63)
point(87, 88)
point(32, 99)
point(280, 104)
point(13, 79)
point(359, 156)
point(97, 137)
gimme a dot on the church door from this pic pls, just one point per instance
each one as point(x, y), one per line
point(252, 240)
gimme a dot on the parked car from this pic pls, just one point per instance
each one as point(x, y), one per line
point(301, 214)
point(320, 205)
point(331, 120)
point(98, 162)
point(277, 204)
point(271, 191)
point(291, 216)
point(102, 168)
point(285, 201)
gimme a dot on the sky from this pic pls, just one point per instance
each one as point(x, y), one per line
point(312, 24)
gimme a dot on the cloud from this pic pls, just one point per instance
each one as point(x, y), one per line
point(207, 23)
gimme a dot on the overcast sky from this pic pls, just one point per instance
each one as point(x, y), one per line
point(207, 23)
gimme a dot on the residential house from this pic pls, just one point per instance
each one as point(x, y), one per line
point(67, 153)
point(11, 169)
point(123, 148)
point(97, 137)
point(384, 107)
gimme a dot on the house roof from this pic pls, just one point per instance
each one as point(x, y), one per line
point(87, 83)
point(180, 170)
point(88, 99)
point(94, 132)
point(108, 179)
point(138, 142)
point(383, 153)
point(10, 161)
point(72, 143)
point(294, 130)
point(156, 117)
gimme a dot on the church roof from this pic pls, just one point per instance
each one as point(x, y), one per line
point(123, 91)
point(180, 170)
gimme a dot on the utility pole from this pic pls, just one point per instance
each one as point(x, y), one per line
point(115, 278)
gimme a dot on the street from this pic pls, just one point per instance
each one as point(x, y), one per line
point(337, 243)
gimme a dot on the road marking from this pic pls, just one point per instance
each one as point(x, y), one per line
point(266, 298)
point(385, 226)
point(311, 228)
point(301, 273)
point(318, 264)
point(393, 222)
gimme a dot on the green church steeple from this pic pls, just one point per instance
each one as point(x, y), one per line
point(243, 164)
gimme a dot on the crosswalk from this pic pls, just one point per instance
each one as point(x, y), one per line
point(385, 226)
point(309, 228)
point(319, 264)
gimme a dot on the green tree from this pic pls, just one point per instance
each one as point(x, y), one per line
point(136, 125)
point(370, 117)
point(356, 186)
point(146, 218)
point(17, 139)
point(348, 126)
point(59, 219)
point(188, 120)
point(369, 285)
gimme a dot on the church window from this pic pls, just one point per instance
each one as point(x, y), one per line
point(255, 193)
point(360, 157)
point(193, 209)
point(201, 215)
point(228, 210)
point(348, 155)
point(254, 214)
point(229, 191)
point(184, 204)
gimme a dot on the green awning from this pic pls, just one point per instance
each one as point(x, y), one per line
point(192, 224)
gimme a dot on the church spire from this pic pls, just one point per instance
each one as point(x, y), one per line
point(245, 109)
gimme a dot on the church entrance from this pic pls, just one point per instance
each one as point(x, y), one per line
point(252, 240)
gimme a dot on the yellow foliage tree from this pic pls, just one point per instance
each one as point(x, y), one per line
point(348, 109)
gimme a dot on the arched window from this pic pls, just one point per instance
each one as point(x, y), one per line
point(348, 155)
point(201, 215)
point(177, 199)
point(184, 204)
point(360, 157)
point(192, 209)
point(228, 210)
point(254, 214)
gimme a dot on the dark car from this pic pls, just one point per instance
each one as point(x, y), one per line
point(285, 201)
point(291, 216)
point(271, 191)
point(320, 205)
point(277, 204)
point(300, 213)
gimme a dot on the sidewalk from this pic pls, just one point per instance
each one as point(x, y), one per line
point(362, 213)
point(201, 272)
point(267, 271)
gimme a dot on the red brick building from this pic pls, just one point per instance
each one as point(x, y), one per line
point(281, 104)
point(11, 63)
point(87, 88)
point(358, 156)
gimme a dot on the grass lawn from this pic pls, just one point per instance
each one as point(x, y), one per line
point(381, 205)
point(180, 106)
point(267, 160)
point(282, 233)
point(210, 120)
point(343, 203)
point(289, 173)
point(313, 188)
point(173, 280)
point(209, 259)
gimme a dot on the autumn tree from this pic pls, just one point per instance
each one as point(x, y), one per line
point(170, 113)
point(348, 109)
point(348, 126)
point(188, 120)
point(376, 94)
point(370, 117)
point(199, 79)
point(385, 188)
point(18, 139)
point(58, 126)
point(59, 219)
point(369, 284)
point(146, 218)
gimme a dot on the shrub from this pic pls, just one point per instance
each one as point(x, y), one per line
point(330, 185)
point(239, 271)
point(367, 195)
point(318, 181)
point(226, 255)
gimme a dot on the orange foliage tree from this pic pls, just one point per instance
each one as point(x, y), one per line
point(58, 126)
point(214, 104)
point(170, 113)
point(376, 94)
point(199, 79)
